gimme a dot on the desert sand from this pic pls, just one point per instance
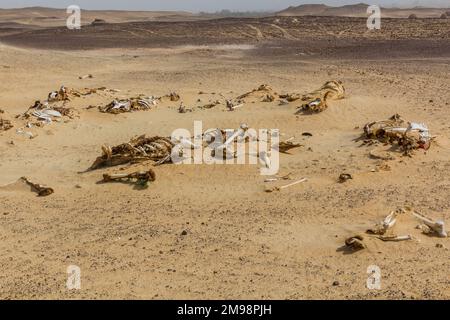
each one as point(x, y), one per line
point(211, 231)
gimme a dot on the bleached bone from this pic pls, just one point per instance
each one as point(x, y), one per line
point(231, 106)
point(395, 238)
point(287, 186)
point(239, 133)
point(276, 178)
point(264, 159)
point(387, 223)
point(25, 133)
point(437, 226)
point(90, 76)
point(142, 177)
point(186, 143)
point(39, 189)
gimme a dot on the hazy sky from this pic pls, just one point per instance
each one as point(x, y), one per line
point(207, 5)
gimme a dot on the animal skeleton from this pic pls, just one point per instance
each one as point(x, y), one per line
point(137, 150)
point(141, 177)
point(408, 136)
point(128, 105)
point(317, 101)
point(39, 189)
point(437, 227)
point(264, 92)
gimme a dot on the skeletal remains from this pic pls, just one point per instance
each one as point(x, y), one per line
point(140, 177)
point(384, 229)
point(50, 109)
point(264, 93)
point(5, 124)
point(270, 190)
point(231, 106)
point(41, 190)
point(139, 149)
point(46, 112)
point(408, 135)
point(432, 227)
point(129, 105)
point(317, 101)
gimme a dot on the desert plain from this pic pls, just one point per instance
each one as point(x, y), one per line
point(211, 231)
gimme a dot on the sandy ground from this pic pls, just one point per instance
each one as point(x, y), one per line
point(240, 242)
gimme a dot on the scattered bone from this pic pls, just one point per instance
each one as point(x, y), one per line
point(61, 95)
point(285, 177)
point(137, 150)
point(409, 136)
point(345, 177)
point(290, 97)
point(268, 98)
point(385, 225)
point(28, 134)
point(356, 243)
point(285, 146)
point(231, 106)
point(210, 105)
point(129, 105)
point(41, 190)
point(436, 227)
point(286, 186)
point(5, 124)
point(317, 101)
point(173, 96)
point(263, 92)
point(265, 160)
point(86, 76)
point(183, 109)
point(46, 112)
point(139, 177)
point(240, 133)
point(395, 238)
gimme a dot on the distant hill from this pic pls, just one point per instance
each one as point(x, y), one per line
point(50, 17)
point(359, 10)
